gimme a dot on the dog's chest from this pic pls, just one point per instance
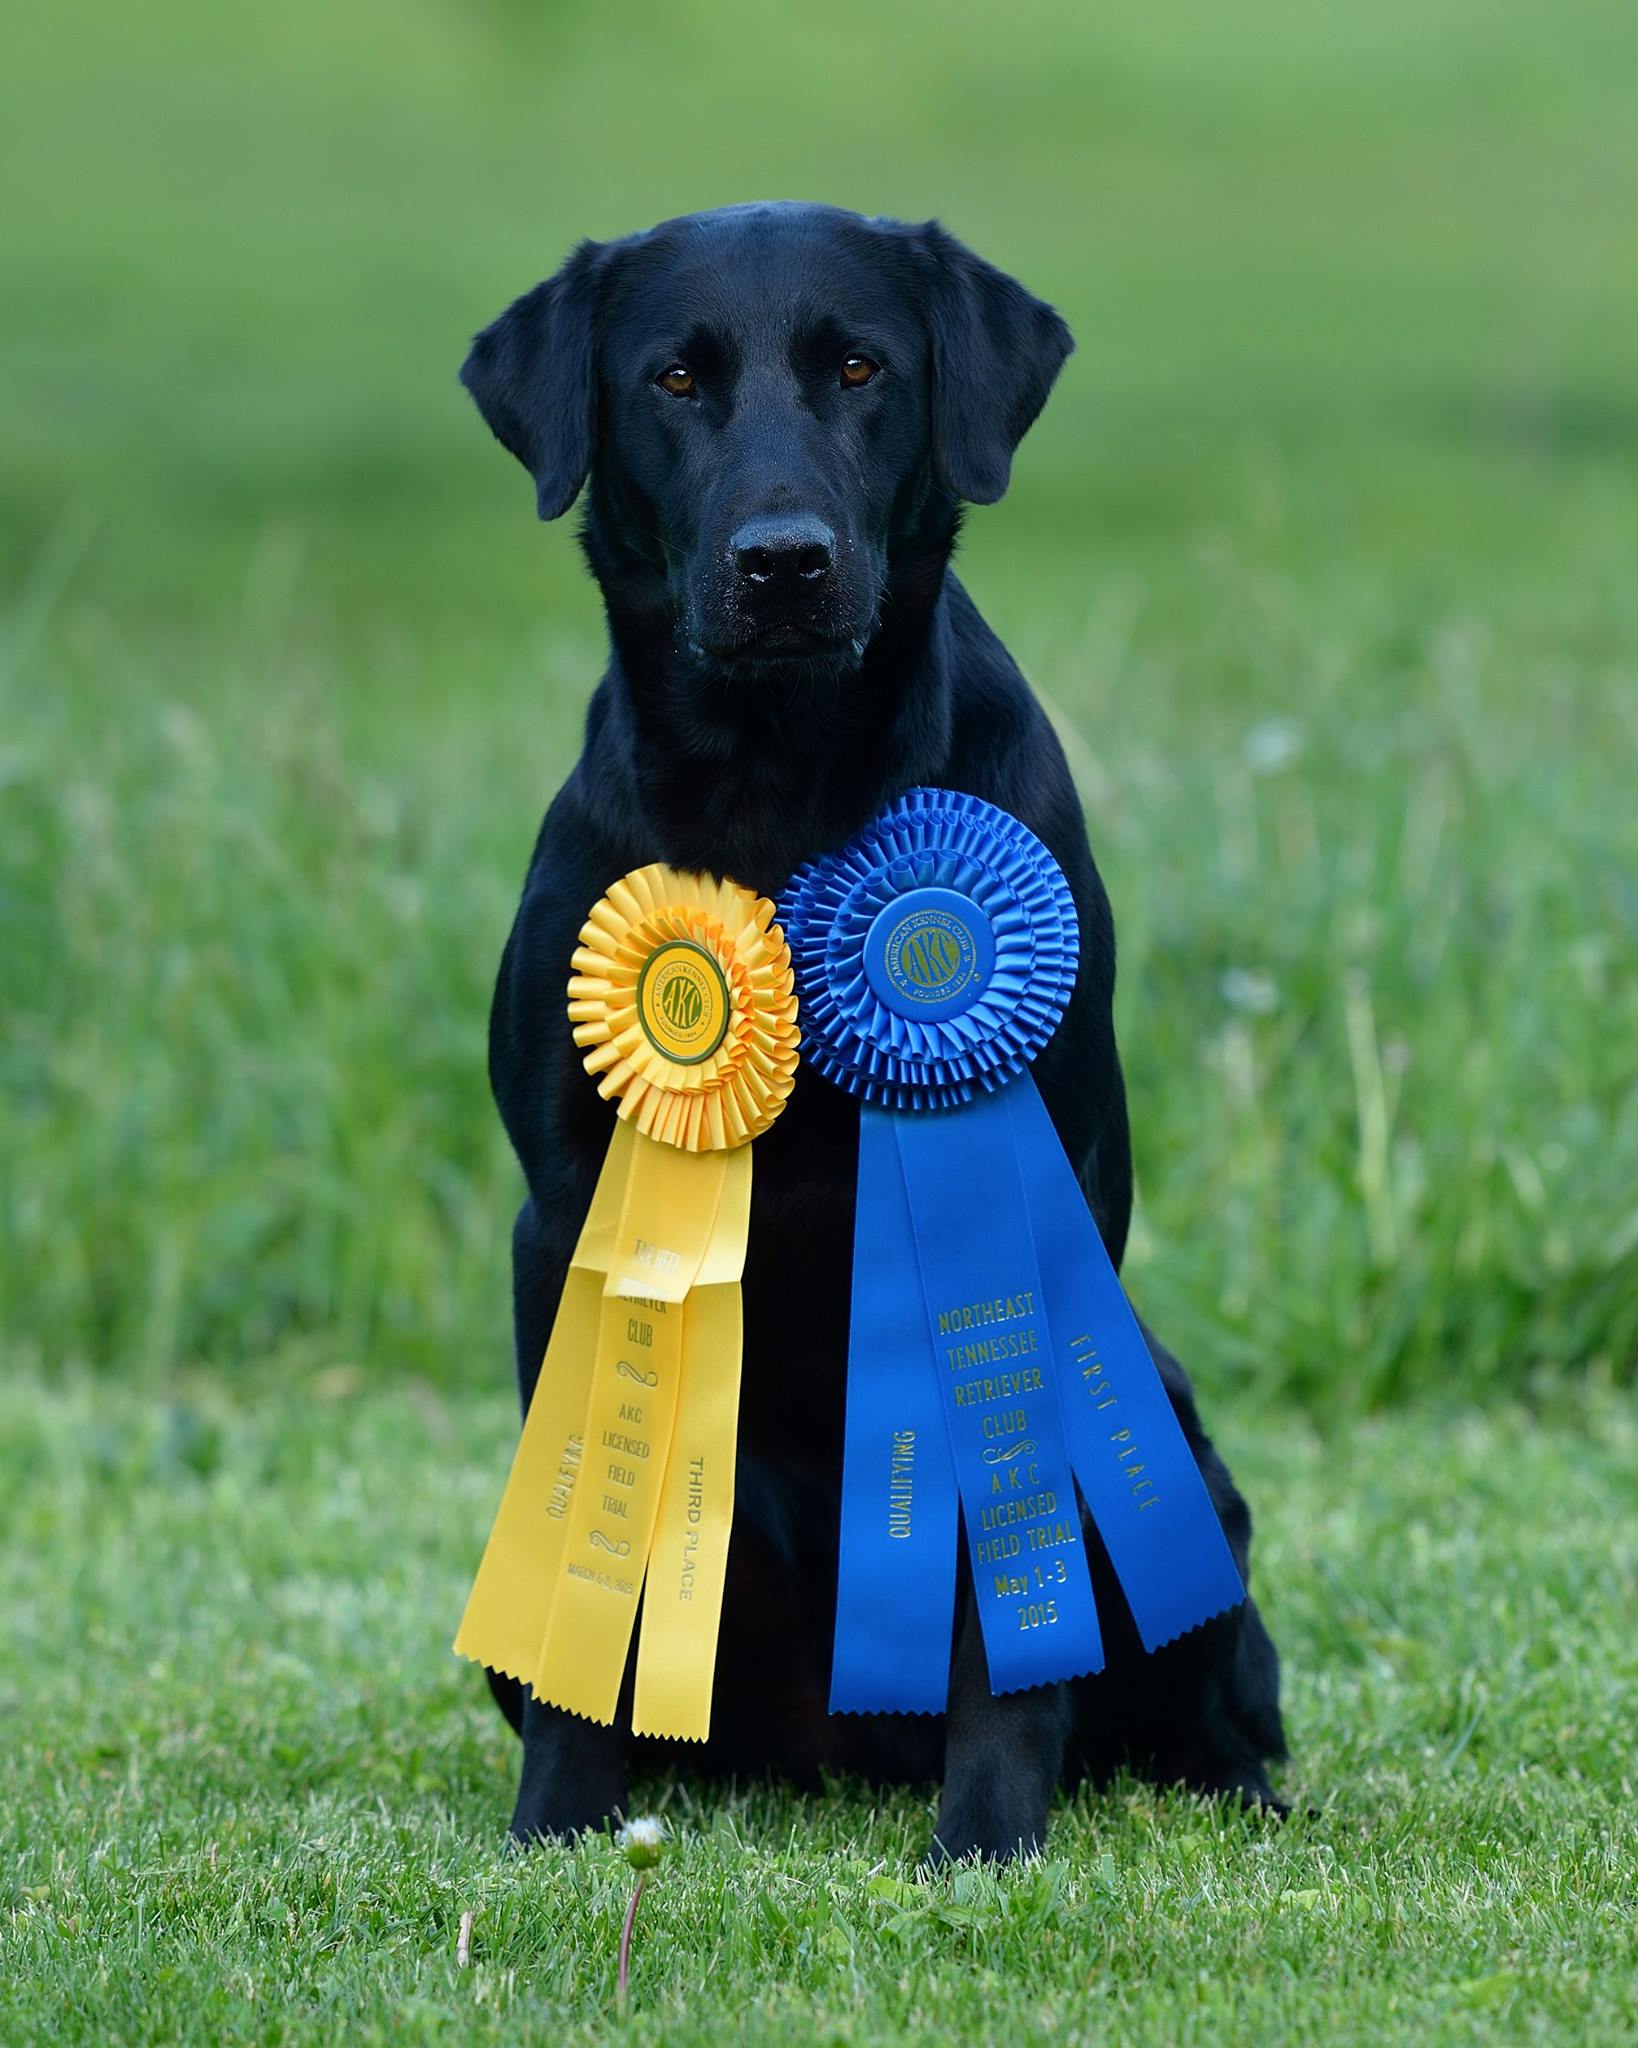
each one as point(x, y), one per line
point(797, 1283)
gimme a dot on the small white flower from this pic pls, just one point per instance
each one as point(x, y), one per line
point(642, 1841)
point(1249, 988)
point(1269, 747)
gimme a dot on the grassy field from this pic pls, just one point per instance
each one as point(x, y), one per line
point(1323, 553)
point(1323, 557)
point(246, 1793)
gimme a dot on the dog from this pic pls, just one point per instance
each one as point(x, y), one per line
point(777, 413)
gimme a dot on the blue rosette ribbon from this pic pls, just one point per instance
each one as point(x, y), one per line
point(994, 1362)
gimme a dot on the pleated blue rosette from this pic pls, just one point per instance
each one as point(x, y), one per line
point(936, 858)
point(993, 1360)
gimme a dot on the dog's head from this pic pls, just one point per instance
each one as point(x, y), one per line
point(769, 400)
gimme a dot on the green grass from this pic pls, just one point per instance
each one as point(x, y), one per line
point(246, 1791)
point(1371, 854)
point(1323, 557)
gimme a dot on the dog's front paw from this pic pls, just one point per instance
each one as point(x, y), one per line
point(987, 1829)
point(574, 1776)
point(1243, 1785)
point(557, 1812)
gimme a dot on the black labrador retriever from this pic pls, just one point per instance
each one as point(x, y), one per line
point(780, 410)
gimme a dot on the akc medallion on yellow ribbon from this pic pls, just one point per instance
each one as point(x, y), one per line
point(683, 1002)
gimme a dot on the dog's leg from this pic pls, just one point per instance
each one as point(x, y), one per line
point(534, 1266)
point(1203, 1711)
point(574, 1774)
point(1236, 1725)
point(1221, 1716)
point(1003, 1758)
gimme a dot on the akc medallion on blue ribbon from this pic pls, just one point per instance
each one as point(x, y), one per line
point(993, 1359)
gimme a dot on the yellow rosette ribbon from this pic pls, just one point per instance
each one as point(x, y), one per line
point(684, 1003)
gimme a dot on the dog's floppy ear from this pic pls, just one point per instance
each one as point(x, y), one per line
point(533, 373)
point(996, 351)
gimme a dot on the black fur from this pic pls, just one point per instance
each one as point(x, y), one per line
point(747, 721)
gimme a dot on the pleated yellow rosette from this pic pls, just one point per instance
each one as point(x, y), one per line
point(683, 1001)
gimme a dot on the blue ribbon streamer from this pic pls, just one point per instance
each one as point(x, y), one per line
point(992, 1358)
point(1130, 1455)
point(992, 1352)
point(895, 1593)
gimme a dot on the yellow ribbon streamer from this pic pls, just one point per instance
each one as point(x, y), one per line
point(622, 1484)
point(682, 1604)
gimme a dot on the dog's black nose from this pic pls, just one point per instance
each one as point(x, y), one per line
point(783, 549)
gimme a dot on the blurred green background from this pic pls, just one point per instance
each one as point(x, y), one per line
point(1323, 554)
point(1324, 557)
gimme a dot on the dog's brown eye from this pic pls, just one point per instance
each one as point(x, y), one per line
point(678, 381)
point(857, 370)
